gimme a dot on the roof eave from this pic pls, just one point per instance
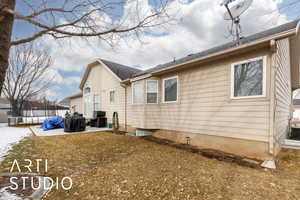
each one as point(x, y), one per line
point(262, 42)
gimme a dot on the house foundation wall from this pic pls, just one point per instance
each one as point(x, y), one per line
point(248, 148)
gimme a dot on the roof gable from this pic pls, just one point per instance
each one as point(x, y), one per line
point(120, 72)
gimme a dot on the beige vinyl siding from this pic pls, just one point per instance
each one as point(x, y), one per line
point(76, 105)
point(204, 105)
point(283, 90)
point(102, 81)
point(295, 59)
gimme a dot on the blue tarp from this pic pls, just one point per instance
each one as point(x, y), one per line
point(53, 123)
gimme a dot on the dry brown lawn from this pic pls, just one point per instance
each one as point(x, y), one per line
point(108, 167)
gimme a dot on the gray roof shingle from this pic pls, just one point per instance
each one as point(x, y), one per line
point(122, 71)
point(245, 40)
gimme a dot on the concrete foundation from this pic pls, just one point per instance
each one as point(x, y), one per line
point(248, 148)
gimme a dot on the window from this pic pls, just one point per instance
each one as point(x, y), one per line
point(170, 89)
point(152, 90)
point(137, 93)
point(88, 106)
point(96, 102)
point(112, 96)
point(248, 78)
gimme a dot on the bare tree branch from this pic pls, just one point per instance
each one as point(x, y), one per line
point(80, 20)
point(26, 76)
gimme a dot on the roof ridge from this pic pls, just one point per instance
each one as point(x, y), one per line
point(133, 68)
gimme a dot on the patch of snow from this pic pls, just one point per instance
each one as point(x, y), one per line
point(10, 136)
point(6, 195)
point(269, 164)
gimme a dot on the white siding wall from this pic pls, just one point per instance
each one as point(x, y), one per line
point(283, 91)
point(205, 107)
point(101, 81)
point(76, 105)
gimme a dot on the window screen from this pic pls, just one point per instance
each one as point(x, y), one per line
point(152, 91)
point(112, 96)
point(96, 102)
point(137, 93)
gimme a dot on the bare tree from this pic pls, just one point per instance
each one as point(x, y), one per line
point(27, 76)
point(81, 18)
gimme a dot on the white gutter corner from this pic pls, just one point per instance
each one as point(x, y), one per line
point(298, 28)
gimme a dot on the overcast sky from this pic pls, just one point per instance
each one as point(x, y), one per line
point(199, 26)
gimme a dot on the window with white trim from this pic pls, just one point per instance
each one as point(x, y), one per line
point(96, 102)
point(152, 91)
point(137, 93)
point(170, 89)
point(248, 78)
point(112, 96)
point(88, 105)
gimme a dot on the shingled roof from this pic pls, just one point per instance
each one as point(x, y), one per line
point(245, 40)
point(122, 71)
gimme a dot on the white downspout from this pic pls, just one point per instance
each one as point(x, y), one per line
point(125, 105)
point(272, 97)
point(298, 28)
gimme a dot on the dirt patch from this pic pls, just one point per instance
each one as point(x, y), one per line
point(107, 166)
point(209, 153)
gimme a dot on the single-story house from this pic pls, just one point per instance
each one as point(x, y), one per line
point(235, 97)
point(4, 109)
point(31, 109)
point(75, 103)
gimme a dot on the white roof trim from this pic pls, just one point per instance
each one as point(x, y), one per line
point(84, 78)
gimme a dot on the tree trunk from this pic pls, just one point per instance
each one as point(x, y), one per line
point(15, 111)
point(6, 26)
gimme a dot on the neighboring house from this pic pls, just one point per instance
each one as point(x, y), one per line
point(4, 109)
point(235, 98)
point(40, 109)
point(75, 102)
point(31, 109)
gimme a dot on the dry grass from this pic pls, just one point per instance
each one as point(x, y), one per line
point(108, 167)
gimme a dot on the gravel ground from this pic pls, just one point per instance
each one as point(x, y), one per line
point(114, 167)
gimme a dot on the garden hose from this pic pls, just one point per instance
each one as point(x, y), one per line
point(115, 121)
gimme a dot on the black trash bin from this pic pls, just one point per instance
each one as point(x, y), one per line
point(75, 123)
point(99, 119)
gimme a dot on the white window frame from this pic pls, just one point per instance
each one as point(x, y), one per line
point(163, 89)
point(132, 86)
point(94, 101)
point(112, 102)
point(264, 81)
point(151, 92)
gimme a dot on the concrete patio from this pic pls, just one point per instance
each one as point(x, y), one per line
point(38, 131)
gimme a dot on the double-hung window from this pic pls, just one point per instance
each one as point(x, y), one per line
point(112, 96)
point(248, 78)
point(170, 89)
point(152, 91)
point(137, 92)
point(96, 102)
